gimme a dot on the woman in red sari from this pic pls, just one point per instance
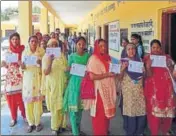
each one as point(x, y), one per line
point(159, 92)
point(13, 85)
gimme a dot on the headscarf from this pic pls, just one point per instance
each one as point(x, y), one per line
point(17, 49)
point(134, 75)
point(105, 58)
point(51, 41)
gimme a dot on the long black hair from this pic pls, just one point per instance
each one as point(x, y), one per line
point(155, 41)
point(139, 38)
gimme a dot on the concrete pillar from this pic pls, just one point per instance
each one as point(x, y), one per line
point(52, 23)
point(56, 23)
point(44, 21)
point(25, 20)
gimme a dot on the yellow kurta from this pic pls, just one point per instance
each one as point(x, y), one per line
point(53, 86)
point(31, 88)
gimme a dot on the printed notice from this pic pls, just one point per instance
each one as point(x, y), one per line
point(115, 68)
point(53, 51)
point(135, 66)
point(78, 70)
point(11, 57)
point(158, 61)
point(30, 60)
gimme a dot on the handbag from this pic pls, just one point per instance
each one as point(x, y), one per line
point(87, 88)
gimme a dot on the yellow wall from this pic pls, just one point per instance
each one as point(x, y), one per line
point(61, 26)
point(37, 26)
point(127, 13)
point(5, 26)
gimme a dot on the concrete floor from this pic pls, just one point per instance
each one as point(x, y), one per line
point(19, 129)
point(115, 124)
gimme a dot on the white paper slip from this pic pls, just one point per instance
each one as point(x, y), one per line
point(78, 70)
point(30, 60)
point(135, 66)
point(53, 51)
point(115, 68)
point(11, 57)
point(158, 61)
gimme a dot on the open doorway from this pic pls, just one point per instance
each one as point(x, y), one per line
point(106, 36)
point(173, 36)
point(168, 37)
point(67, 32)
point(99, 32)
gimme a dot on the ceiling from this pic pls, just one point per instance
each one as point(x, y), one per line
point(71, 12)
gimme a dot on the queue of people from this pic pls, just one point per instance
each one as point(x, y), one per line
point(146, 98)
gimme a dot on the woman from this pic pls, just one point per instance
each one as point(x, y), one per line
point(13, 85)
point(72, 101)
point(54, 82)
point(39, 37)
point(137, 40)
point(43, 44)
point(46, 37)
point(31, 85)
point(53, 35)
point(159, 92)
point(133, 105)
point(125, 42)
point(103, 108)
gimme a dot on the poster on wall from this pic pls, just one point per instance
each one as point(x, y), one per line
point(146, 30)
point(114, 36)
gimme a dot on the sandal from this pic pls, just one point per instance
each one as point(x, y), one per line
point(54, 132)
point(30, 129)
point(39, 128)
point(61, 130)
point(13, 123)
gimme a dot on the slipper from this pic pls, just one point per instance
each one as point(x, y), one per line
point(54, 132)
point(13, 123)
point(39, 128)
point(30, 129)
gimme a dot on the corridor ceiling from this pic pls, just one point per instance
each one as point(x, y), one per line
point(71, 12)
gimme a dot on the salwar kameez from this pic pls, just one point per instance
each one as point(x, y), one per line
point(160, 98)
point(133, 106)
point(103, 107)
point(31, 89)
point(14, 101)
point(34, 112)
point(13, 87)
point(53, 86)
point(72, 101)
point(100, 118)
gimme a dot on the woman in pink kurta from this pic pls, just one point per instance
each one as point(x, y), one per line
point(103, 108)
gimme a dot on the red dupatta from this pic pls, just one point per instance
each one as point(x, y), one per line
point(105, 58)
point(17, 49)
